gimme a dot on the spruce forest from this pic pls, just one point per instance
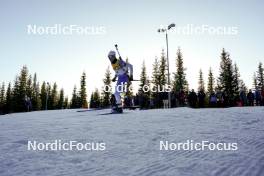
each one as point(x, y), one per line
point(226, 89)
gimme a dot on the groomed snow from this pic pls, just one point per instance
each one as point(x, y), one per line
point(132, 142)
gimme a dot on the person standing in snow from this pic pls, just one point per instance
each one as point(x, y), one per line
point(213, 99)
point(243, 97)
point(250, 97)
point(123, 74)
point(262, 96)
point(182, 98)
point(201, 98)
point(28, 103)
point(220, 99)
point(192, 99)
point(258, 97)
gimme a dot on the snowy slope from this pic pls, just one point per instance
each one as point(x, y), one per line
point(132, 142)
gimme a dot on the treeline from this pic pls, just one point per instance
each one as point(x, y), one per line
point(227, 89)
point(79, 99)
point(26, 94)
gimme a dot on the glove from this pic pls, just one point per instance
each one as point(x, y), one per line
point(131, 78)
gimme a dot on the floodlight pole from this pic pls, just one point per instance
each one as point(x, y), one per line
point(169, 83)
point(167, 44)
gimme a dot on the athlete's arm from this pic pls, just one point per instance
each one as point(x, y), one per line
point(130, 69)
point(114, 79)
point(120, 58)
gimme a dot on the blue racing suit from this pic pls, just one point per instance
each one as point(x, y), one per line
point(123, 71)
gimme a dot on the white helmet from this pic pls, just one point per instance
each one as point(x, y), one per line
point(112, 55)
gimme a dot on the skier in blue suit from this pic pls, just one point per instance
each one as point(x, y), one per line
point(124, 74)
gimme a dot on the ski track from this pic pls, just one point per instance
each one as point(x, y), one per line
point(132, 142)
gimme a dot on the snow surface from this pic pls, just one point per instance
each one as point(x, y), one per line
point(132, 142)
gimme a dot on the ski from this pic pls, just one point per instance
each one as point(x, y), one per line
point(87, 110)
point(112, 113)
point(131, 107)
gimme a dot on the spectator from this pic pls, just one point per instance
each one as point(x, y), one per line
point(213, 100)
point(243, 97)
point(262, 96)
point(250, 97)
point(258, 97)
point(201, 98)
point(181, 98)
point(28, 104)
point(220, 99)
point(192, 99)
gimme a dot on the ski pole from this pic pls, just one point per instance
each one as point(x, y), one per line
point(116, 46)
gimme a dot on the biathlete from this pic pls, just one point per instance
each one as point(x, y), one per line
point(124, 74)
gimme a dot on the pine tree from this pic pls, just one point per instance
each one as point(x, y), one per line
point(36, 99)
point(144, 82)
point(255, 82)
point(43, 95)
point(159, 79)
point(243, 86)
point(29, 89)
point(155, 73)
point(8, 100)
point(74, 100)
point(129, 92)
point(211, 80)
point(143, 78)
point(180, 82)
point(236, 81)
point(66, 103)
point(2, 93)
point(61, 100)
point(162, 70)
point(49, 96)
point(201, 81)
point(22, 90)
point(91, 105)
point(83, 94)
point(2, 97)
point(15, 95)
point(226, 78)
point(95, 100)
point(155, 82)
point(53, 96)
point(260, 75)
point(106, 92)
point(187, 89)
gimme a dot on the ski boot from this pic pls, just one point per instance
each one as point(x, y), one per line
point(116, 108)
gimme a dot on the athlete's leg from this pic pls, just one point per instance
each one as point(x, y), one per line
point(120, 88)
point(117, 96)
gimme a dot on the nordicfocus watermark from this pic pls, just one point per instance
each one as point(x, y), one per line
point(57, 145)
point(204, 29)
point(203, 145)
point(123, 87)
point(59, 29)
